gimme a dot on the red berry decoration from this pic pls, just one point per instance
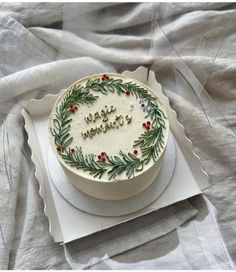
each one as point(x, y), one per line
point(142, 105)
point(147, 125)
point(59, 149)
point(73, 108)
point(101, 157)
point(72, 150)
point(127, 93)
point(135, 152)
point(105, 77)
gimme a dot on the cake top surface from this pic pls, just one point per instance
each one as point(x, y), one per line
point(108, 127)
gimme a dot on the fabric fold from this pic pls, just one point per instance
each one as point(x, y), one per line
point(104, 37)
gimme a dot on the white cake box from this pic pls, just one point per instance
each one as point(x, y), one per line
point(68, 223)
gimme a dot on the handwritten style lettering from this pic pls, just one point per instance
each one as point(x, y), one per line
point(118, 122)
point(103, 114)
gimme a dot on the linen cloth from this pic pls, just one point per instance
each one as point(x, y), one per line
point(44, 48)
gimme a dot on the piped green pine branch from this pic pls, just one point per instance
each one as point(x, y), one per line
point(77, 95)
point(127, 163)
point(86, 163)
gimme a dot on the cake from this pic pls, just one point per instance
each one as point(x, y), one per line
point(109, 132)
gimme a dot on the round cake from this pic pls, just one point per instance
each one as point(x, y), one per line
point(109, 132)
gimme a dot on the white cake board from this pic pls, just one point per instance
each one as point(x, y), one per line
point(66, 222)
point(101, 207)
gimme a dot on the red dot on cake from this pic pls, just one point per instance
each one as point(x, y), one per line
point(103, 159)
point(72, 150)
point(144, 125)
point(75, 107)
point(58, 148)
point(99, 157)
point(142, 105)
point(135, 152)
point(103, 153)
point(72, 110)
point(127, 92)
point(71, 106)
point(148, 123)
point(147, 127)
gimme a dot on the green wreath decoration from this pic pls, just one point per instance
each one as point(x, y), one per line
point(150, 142)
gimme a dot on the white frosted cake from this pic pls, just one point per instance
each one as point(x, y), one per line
point(109, 132)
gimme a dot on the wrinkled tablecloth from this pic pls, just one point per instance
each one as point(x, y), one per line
point(47, 46)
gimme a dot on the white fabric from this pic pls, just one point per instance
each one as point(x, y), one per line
point(47, 46)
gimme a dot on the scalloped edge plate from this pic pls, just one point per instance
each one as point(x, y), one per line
point(59, 226)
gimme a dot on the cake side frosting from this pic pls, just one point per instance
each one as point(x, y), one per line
point(108, 128)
